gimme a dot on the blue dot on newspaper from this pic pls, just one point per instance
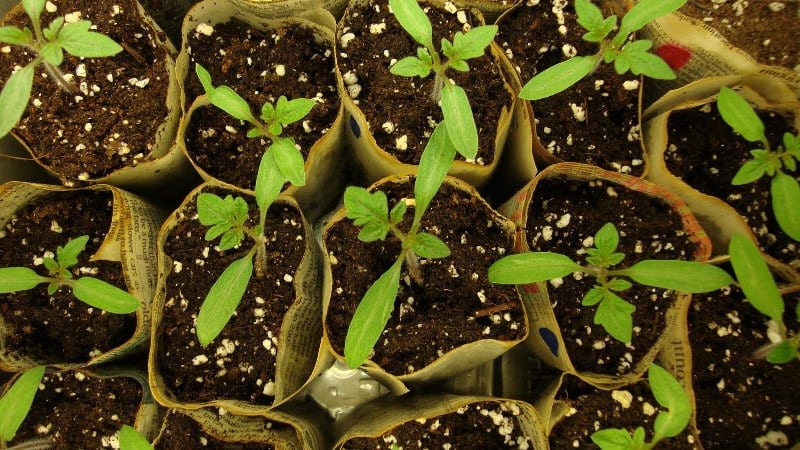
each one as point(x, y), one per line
point(354, 126)
point(550, 339)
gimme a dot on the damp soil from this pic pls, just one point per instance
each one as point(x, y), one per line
point(110, 120)
point(742, 400)
point(74, 410)
point(260, 66)
point(563, 217)
point(456, 306)
point(59, 328)
point(478, 425)
point(400, 111)
point(592, 409)
point(758, 27)
point(240, 363)
point(596, 121)
point(705, 153)
point(182, 432)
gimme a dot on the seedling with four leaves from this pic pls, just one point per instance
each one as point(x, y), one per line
point(16, 403)
point(49, 45)
point(92, 291)
point(614, 313)
point(784, 189)
point(670, 395)
point(227, 217)
point(627, 55)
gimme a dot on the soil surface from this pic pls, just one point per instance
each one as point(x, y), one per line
point(76, 411)
point(183, 433)
point(456, 306)
point(742, 400)
point(564, 217)
point(705, 153)
point(400, 111)
point(259, 66)
point(110, 119)
point(240, 363)
point(59, 328)
point(482, 425)
point(596, 121)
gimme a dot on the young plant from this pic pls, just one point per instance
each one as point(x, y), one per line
point(627, 55)
point(613, 313)
point(92, 291)
point(371, 212)
point(784, 189)
point(16, 403)
point(130, 439)
point(452, 98)
point(670, 395)
point(755, 280)
point(49, 45)
point(227, 217)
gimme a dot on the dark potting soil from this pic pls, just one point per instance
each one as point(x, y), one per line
point(183, 433)
point(456, 306)
point(705, 153)
point(59, 328)
point(596, 121)
point(111, 118)
point(592, 409)
point(742, 400)
point(482, 425)
point(240, 363)
point(75, 410)
point(259, 66)
point(564, 217)
point(400, 111)
point(758, 27)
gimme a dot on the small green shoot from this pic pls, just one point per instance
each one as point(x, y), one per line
point(92, 291)
point(755, 280)
point(613, 313)
point(130, 439)
point(452, 98)
point(49, 45)
point(784, 189)
point(227, 217)
point(16, 402)
point(627, 55)
point(670, 395)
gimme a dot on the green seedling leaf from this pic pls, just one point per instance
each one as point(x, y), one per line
point(643, 13)
point(67, 255)
point(269, 181)
point(473, 43)
point(52, 54)
point(398, 212)
point(559, 77)
point(14, 98)
point(782, 353)
point(447, 49)
point(411, 66)
point(130, 439)
point(589, 16)
point(79, 41)
point(749, 172)
point(290, 111)
point(682, 276)
point(51, 32)
point(641, 62)
point(670, 394)
point(17, 401)
point(15, 279)
point(205, 78)
point(289, 159)
point(791, 143)
point(754, 277)
point(223, 299)
point(213, 209)
point(740, 116)
point(615, 315)
point(369, 211)
point(16, 36)
point(460, 123)
point(785, 200)
point(371, 316)
point(413, 19)
point(34, 8)
point(232, 103)
point(99, 294)
point(434, 164)
point(612, 439)
point(52, 266)
point(618, 284)
point(429, 246)
point(593, 297)
point(532, 267)
point(459, 65)
point(607, 239)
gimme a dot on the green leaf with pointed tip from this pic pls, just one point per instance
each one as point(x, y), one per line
point(785, 200)
point(232, 103)
point(460, 122)
point(216, 231)
point(14, 279)
point(593, 297)
point(51, 265)
point(269, 181)
point(558, 78)
point(369, 211)
point(16, 402)
point(99, 294)
point(67, 256)
point(16, 36)
point(670, 394)
point(791, 143)
point(411, 66)
point(749, 172)
point(607, 239)
point(782, 353)
point(635, 57)
point(371, 316)
point(460, 66)
point(433, 166)
point(602, 31)
point(615, 315)
point(254, 133)
point(275, 129)
point(14, 98)
point(268, 112)
point(589, 16)
point(413, 19)
point(397, 212)
point(289, 159)
point(429, 246)
point(618, 284)
point(34, 8)
point(755, 278)
point(205, 78)
point(79, 41)
point(532, 267)
point(612, 439)
point(290, 111)
point(223, 299)
point(447, 49)
point(52, 288)
point(639, 436)
point(682, 276)
point(739, 115)
point(230, 239)
point(212, 209)
point(473, 43)
point(130, 439)
point(51, 32)
point(643, 13)
point(52, 54)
